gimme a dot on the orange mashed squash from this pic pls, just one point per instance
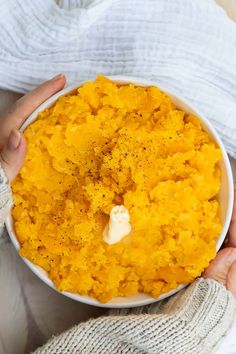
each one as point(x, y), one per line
point(105, 145)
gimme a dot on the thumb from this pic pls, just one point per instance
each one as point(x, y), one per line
point(223, 269)
point(13, 154)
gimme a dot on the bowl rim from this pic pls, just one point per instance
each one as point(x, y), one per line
point(145, 299)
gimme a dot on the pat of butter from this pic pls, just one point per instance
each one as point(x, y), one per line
point(118, 225)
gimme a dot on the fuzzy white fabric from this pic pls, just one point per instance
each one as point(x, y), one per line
point(186, 46)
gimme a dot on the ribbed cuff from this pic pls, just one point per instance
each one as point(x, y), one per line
point(205, 311)
point(5, 196)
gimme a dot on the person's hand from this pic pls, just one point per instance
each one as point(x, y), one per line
point(12, 142)
point(223, 267)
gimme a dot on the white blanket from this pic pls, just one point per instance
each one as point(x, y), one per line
point(187, 46)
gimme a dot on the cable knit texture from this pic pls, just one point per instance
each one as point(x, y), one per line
point(191, 322)
point(186, 46)
point(5, 198)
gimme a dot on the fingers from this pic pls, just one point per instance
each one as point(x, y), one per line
point(13, 154)
point(232, 229)
point(27, 104)
point(231, 280)
point(220, 266)
point(223, 267)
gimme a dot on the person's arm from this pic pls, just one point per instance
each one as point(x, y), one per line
point(193, 321)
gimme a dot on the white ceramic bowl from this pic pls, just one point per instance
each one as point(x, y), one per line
point(225, 196)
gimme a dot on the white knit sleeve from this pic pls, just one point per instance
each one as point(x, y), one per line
point(193, 321)
point(5, 197)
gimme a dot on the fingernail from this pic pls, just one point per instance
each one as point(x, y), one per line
point(14, 140)
point(58, 77)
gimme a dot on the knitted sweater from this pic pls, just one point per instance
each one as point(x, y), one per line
point(192, 321)
point(5, 197)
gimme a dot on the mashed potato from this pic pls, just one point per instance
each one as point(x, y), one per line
point(105, 145)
